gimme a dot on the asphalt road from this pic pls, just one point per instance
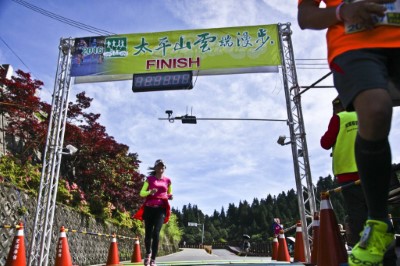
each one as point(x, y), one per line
point(190, 256)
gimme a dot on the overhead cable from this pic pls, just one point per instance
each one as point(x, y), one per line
point(315, 83)
point(65, 20)
point(15, 54)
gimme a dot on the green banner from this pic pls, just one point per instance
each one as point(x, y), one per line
point(205, 52)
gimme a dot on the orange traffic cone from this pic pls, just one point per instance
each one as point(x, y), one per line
point(113, 257)
point(136, 255)
point(63, 257)
point(283, 253)
point(275, 246)
point(299, 244)
point(315, 232)
point(16, 255)
point(331, 249)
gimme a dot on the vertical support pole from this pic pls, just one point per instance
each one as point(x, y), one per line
point(305, 188)
point(202, 236)
point(46, 201)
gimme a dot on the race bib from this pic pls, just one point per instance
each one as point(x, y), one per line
point(392, 17)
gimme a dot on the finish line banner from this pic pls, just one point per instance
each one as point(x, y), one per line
point(233, 50)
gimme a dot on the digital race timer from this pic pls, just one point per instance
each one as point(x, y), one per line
point(162, 81)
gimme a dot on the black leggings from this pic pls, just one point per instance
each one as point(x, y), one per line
point(153, 221)
point(357, 212)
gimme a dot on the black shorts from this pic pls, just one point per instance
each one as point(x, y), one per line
point(359, 70)
point(154, 213)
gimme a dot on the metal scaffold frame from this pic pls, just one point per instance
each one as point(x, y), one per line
point(46, 201)
point(304, 185)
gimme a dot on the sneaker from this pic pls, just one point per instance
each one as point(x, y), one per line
point(373, 244)
point(146, 261)
point(153, 263)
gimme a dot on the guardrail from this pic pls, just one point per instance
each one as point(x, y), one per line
point(256, 249)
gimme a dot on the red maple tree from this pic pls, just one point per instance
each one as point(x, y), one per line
point(103, 171)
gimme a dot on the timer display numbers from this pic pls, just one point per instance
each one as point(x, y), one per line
point(162, 81)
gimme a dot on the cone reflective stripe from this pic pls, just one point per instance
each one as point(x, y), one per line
point(299, 244)
point(113, 257)
point(315, 232)
point(275, 246)
point(16, 255)
point(63, 256)
point(331, 248)
point(283, 253)
point(136, 255)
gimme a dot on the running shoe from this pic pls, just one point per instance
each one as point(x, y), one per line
point(373, 244)
point(146, 260)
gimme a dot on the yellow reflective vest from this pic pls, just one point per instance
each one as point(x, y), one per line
point(343, 151)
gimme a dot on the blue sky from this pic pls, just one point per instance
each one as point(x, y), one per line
point(212, 163)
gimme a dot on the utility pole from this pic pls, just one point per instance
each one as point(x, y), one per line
point(202, 232)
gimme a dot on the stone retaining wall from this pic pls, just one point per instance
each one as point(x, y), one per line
point(85, 249)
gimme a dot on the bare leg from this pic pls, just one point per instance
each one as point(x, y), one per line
point(374, 111)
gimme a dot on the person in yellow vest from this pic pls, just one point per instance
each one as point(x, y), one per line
point(341, 136)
